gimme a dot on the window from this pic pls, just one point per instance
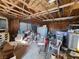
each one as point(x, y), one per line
point(2, 24)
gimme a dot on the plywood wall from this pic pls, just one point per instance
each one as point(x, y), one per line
point(58, 25)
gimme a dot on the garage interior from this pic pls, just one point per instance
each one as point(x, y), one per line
point(39, 29)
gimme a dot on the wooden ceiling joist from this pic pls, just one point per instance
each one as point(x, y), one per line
point(55, 8)
point(28, 6)
point(14, 3)
point(58, 8)
point(40, 18)
point(17, 6)
point(36, 5)
point(21, 13)
point(43, 13)
point(46, 9)
point(62, 18)
point(31, 2)
point(75, 6)
point(11, 1)
point(45, 16)
point(24, 3)
point(12, 13)
point(4, 3)
point(8, 13)
point(36, 9)
point(8, 8)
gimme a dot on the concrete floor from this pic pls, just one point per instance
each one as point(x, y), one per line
point(33, 52)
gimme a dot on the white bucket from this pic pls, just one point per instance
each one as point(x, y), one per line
point(53, 57)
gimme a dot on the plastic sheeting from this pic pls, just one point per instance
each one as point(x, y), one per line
point(33, 53)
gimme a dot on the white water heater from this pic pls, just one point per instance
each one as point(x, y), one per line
point(73, 41)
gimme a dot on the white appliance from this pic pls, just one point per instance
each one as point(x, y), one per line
point(73, 41)
point(42, 30)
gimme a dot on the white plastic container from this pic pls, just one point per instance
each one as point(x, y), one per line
point(53, 57)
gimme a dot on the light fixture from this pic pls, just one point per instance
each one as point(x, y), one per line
point(50, 1)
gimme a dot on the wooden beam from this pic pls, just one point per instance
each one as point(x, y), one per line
point(9, 12)
point(7, 8)
point(2, 6)
point(51, 16)
point(23, 5)
point(1, 9)
point(10, 8)
point(31, 2)
point(26, 4)
point(18, 12)
point(35, 5)
point(45, 16)
point(4, 3)
point(14, 3)
point(62, 18)
point(40, 18)
point(42, 14)
point(55, 8)
point(72, 7)
point(17, 7)
point(46, 9)
point(58, 8)
point(42, 3)
point(11, 1)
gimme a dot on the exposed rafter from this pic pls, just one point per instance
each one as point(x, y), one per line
point(9, 9)
point(17, 7)
point(58, 8)
point(31, 2)
point(46, 10)
point(54, 9)
point(8, 13)
point(62, 18)
point(35, 9)
point(73, 6)
point(34, 15)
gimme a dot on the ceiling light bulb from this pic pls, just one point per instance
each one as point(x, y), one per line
point(50, 1)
